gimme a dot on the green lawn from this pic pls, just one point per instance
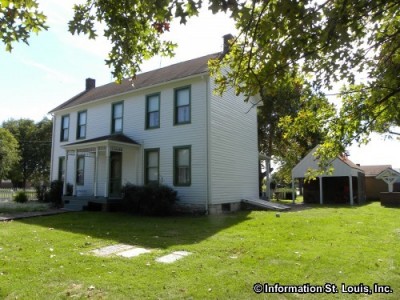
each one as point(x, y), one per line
point(49, 257)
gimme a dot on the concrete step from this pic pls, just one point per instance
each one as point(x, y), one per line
point(75, 204)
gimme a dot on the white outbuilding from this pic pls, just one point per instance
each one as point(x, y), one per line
point(346, 184)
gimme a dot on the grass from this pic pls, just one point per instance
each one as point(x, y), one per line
point(14, 207)
point(49, 257)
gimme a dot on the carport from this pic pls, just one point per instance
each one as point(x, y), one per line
point(346, 184)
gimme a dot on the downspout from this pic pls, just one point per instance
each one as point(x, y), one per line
point(208, 197)
point(52, 148)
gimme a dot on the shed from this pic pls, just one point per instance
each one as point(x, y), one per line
point(346, 184)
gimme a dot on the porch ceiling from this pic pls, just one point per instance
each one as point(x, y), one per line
point(108, 140)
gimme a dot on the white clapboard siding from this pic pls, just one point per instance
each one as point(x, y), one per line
point(233, 148)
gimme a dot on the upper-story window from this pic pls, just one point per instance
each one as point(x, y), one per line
point(117, 117)
point(81, 125)
point(153, 111)
point(64, 128)
point(182, 106)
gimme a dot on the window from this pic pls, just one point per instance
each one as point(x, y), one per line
point(117, 117)
point(182, 105)
point(81, 126)
point(182, 169)
point(80, 170)
point(153, 111)
point(152, 159)
point(64, 128)
point(61, 168)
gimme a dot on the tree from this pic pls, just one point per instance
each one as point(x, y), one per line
point(9, 154)
point(330, 40)
point(277, 115)
point(35, 145)
point(44, 130)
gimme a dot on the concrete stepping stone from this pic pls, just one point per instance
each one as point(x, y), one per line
point(109, 250)
point(173, 257)
point(133, 252)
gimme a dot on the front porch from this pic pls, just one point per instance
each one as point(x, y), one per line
point(98, 168)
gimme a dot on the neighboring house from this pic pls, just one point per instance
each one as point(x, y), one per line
point(374, 186)
point(345, 185)
point(166, 126)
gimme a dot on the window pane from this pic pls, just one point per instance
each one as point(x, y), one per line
point(183, 157)
point(153, 119)
point(183, 114)
point(152, 159)
point(182, 97)
point(183, 175)
point(153, 104)
point(65, 122)
point(82, 131)
point(82, 118)
point(117, 125)
point(65, 134)
point(152, 174)
point(118, 110)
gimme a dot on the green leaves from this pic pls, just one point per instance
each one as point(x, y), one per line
point(18, 19)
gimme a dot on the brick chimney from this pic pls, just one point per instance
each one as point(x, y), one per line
point(90, 83)
point(227, 43)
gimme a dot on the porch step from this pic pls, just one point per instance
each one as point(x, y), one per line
point(266, 204)
point(75, 204)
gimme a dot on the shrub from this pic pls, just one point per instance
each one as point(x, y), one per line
point(154, 200)
point(21, 197)
point(41, 191)
point(55, 193)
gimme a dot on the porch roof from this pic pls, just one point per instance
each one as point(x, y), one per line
point(113, 139)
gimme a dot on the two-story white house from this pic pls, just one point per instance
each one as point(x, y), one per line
point(167, 126)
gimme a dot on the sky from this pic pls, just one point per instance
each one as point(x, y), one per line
point(35, 79)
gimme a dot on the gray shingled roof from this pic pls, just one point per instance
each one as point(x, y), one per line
point(177, 71)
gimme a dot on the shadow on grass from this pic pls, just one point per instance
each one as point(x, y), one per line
point(148, 232)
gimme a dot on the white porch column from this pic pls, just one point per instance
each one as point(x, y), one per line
point(107, 183)
point(74, 174)
point(321, 196)
point(351, 190)
point(96, 170)
point(65, 173)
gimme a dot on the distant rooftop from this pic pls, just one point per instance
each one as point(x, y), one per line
point(374, 170)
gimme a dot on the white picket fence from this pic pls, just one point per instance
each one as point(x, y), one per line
point(8, 194)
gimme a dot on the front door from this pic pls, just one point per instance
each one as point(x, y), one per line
point(115, 174)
